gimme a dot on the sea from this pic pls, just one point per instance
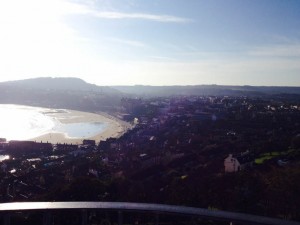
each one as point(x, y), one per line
point(3, 158)
point(18, 122)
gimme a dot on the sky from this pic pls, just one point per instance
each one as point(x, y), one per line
point(157, 42)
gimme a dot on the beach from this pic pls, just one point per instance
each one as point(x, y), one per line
point(114, 126)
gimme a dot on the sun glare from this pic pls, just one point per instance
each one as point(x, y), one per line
point(33, 32)
point(21, 123)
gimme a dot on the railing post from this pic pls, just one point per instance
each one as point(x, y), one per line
point(47, 218)
point(156, 218)
point(84, 217)
point(6, 219)
point(120, 218)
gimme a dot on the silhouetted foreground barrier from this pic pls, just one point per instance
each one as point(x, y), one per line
point(108, 213)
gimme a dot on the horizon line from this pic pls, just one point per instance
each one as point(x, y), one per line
point(154, 85)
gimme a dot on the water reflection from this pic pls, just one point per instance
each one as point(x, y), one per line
point(24, 123)
point(4, 157)
point(80, 130)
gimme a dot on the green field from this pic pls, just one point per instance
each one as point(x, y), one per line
point(266, 156)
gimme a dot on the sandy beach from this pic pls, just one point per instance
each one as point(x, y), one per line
point(114, 126)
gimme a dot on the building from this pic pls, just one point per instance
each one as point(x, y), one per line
point(231, 164)
point(237, 163)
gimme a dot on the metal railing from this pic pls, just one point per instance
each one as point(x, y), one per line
point(7, 211)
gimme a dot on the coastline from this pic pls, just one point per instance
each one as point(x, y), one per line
point(114, 126)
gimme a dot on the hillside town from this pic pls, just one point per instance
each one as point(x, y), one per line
point(221, 152)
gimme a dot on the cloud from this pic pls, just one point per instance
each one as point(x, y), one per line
point(142, 16)
point(289, 50)
point(87, 9)
point(163, 58)
point(128, 42)
point(266, 72)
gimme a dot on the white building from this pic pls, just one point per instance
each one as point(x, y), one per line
point(231, 164)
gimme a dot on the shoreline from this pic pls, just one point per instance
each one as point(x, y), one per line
point(114, 126)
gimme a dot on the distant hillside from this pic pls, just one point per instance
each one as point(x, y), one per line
point(64, 83)
point(74, 93)
point(206, 90)
point(71, 93)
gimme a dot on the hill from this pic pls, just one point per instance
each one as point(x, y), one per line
point(63, 83)
point(74, 93)
point(207, 90)
point(71, 93)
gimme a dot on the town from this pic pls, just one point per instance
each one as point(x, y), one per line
point(220, 152)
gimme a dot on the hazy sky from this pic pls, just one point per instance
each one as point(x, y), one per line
point(152, 42)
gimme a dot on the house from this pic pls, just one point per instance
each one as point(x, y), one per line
point(28, 147)
point(89, 142)
point(237, 163)
point(231, 164)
